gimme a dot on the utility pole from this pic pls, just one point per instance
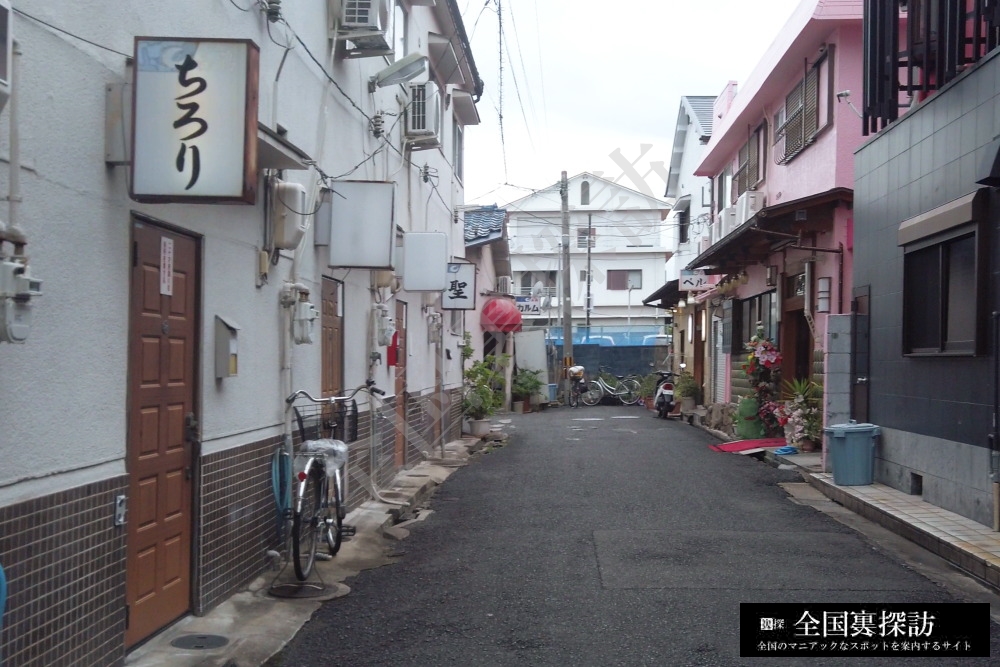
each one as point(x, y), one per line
point(590, 244)
point(567, 304)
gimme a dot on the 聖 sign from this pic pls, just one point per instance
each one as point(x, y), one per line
point(460, 288)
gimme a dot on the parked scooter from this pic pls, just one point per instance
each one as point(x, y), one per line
point(663, 399)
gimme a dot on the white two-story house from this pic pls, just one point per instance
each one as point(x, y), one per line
point(617, 251)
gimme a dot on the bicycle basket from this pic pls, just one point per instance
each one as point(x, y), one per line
point(338, 421)
point(576, 372)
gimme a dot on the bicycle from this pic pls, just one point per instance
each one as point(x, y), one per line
point(315, 513)
point(626, 389)
point(578, 385)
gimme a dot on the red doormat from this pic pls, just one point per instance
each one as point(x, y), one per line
point(743, 445)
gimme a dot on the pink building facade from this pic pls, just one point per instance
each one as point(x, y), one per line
point(778, 252)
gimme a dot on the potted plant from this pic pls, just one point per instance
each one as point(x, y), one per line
point(647, 389)
point(688, 390)
point(523, 385)
point(801, 414)
point(484, 383)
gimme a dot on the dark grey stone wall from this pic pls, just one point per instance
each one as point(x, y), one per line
point(929, 157)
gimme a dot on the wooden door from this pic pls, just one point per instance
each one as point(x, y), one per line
point(162, 427)
point(333, 340)
point(400, 388)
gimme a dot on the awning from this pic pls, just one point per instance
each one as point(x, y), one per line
point(276, 152)
point(665, 297)
point(500, 315)
point(770, 229)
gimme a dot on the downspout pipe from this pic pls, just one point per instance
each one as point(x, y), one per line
point(14, 232)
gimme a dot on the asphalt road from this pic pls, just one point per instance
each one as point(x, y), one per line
point(604, 536)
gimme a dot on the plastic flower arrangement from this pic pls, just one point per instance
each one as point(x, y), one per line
point(800, 415)
point(761, 358)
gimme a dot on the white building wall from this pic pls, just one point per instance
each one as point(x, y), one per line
point(63, 393)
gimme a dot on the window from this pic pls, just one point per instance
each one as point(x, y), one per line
point(723, 190)
point(751, 161)
point(940, 289)
point(585, 238)
point(585, 193)
point(746, 314)
point(805, 112)
point(458, 149)
point(583, 275)
point(683, 226)
point(624, 279)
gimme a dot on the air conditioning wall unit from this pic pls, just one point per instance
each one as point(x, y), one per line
point(727, 221)
point(423, 116)
point(505, 285)
point(747, 205)
point(364, 23)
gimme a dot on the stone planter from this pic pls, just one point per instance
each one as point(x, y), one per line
point(479, 427)
point(517, 407)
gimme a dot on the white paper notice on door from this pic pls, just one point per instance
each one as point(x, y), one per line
point(166, 266)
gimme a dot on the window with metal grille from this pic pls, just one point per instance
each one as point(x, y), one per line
point(418, 108)
point(749, 172)
point(586, 237)
point(805, 112)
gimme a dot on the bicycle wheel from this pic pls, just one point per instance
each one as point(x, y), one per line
point(574, 395)
point(628, 392)
point(306, 525)
point(333, 518)
point(593, 394)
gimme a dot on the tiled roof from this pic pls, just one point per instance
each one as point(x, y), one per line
point(484, 224)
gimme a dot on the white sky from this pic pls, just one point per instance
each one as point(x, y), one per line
point(583, 79)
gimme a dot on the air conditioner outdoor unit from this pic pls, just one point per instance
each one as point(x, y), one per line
point(423, 115)
point(747, 205)
point(727, 221)
point(505, 285)
point(364, 24)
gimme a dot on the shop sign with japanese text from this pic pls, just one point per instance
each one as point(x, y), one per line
point(460, 288)
point(194, 129)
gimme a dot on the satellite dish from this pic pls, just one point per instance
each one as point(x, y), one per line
point(537, 289)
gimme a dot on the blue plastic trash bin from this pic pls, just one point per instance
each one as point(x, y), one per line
point(852, 452)
point(553, 393)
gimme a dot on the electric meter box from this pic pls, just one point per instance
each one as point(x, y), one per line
point(288, 209)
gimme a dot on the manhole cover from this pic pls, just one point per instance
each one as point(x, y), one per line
point(199, 642)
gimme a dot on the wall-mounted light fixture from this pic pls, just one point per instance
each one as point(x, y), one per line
point(823, 295)
point(690, 328)
point(772, 275)
point(400, 71)
point(681, 304)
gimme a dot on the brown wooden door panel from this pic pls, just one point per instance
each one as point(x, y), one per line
point(162, 375)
